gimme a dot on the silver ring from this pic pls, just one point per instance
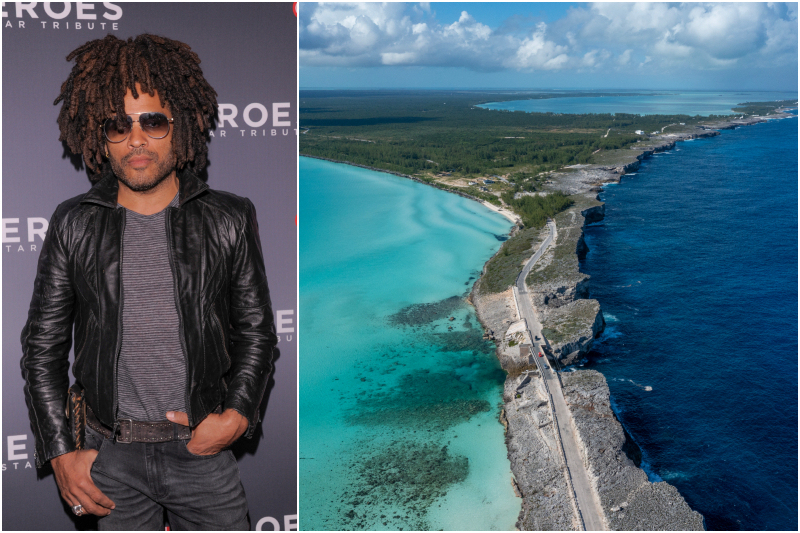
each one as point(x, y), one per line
point(77, 509)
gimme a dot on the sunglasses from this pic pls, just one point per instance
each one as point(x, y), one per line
point(155, 125)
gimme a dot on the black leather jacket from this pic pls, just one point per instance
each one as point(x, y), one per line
point(222, 298)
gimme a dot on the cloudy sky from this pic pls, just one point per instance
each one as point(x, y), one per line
point(732, 46)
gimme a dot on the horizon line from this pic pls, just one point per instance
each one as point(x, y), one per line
point(536, 89)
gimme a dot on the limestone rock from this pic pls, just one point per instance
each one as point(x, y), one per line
point(628, 499)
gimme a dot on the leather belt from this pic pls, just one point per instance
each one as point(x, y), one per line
point(135, 431)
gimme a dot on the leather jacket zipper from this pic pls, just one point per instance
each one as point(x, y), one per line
point(120, 210)
point(171, 210)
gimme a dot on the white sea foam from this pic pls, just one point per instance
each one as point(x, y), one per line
point(643, 387)
point(610, 332)
point(652, 477)
point(670, 476)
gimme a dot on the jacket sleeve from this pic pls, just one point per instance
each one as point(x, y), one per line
point(46, 340)
point(252, 325)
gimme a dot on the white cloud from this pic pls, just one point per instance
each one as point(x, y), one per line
point(691, 35)
point(395, 58)
point(604, 35)
point(537, 53)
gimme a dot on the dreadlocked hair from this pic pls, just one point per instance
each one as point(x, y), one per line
point(105, 68)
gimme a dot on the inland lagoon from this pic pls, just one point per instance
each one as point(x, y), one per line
point(399, 392)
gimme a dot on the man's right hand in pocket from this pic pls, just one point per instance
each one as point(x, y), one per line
point(73, 475)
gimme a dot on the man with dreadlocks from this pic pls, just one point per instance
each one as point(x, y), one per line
point(163, 281)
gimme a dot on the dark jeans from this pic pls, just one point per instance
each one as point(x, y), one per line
point(144, 479)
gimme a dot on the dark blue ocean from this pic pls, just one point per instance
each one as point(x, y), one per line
point(695, 267)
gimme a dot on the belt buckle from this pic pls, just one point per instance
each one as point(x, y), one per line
point(118, 437)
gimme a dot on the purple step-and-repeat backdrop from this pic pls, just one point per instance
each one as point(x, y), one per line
point(249, 56)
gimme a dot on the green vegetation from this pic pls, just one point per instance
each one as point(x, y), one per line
point(564, 258)
point(553, 336)
point(572, 323)
point(503, 268)
point(535, 210)
point(443, 133)
point(763, 108)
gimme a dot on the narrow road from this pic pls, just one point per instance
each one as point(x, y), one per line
point(588, 501)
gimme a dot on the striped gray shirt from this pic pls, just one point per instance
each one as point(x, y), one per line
point(152, 368)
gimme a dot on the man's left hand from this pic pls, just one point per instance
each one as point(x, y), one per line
point(214, 433)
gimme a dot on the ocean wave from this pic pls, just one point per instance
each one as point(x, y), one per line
point(610, 332)
point(671, 476)
point(610, 318)
point(652, 477)
point(647, 388)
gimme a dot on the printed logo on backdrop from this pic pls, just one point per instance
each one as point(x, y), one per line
point(17, 458)
point(66, 16)
point(284, 325)
point(269, 523)
point(23, 234)
point(254, 120)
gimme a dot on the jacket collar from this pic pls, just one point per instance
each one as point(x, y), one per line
point(105, 191)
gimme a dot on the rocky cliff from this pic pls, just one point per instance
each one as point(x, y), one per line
point(628, 499)
point(571, 322)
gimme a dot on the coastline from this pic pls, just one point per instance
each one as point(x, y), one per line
point(416, 436)
point(514, 219)
point(559, 293)
point(559, 296)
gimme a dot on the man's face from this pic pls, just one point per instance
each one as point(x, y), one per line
point(140, 162)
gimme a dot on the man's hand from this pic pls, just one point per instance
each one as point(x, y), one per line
point(214, 433)
point(74, 480)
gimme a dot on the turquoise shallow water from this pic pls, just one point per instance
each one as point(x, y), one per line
point(644, 103)
point(398, 404)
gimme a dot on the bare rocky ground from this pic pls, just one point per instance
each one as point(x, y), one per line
point(628, 499)
point(532, 449)
point(570, 323)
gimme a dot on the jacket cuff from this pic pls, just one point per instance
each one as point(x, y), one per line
point(55, 445)
point(52, 452)
point(250, 413)
point(51, 433)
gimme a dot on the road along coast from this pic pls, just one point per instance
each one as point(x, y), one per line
point(570, 322)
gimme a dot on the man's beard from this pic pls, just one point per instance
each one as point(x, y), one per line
point(161, 170)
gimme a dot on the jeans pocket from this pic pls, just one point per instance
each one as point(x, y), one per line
point(103, 443)
point(94, 440)
point(186, 449)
